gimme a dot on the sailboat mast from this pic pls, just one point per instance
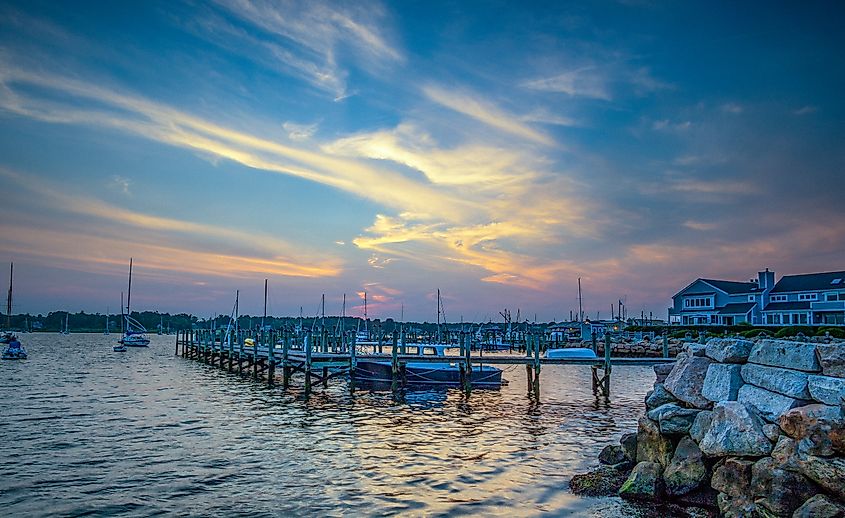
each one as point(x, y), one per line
point(265, 305)
point(121, 313)
point(323, 311)
point(9, 298)
point(580, 307)
point(129, 291)
point(237, 309)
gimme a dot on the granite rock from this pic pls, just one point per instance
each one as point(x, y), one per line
point(686, 471)
point(652, 446)
point(832, 359)
point(659, 396)
point(820, 506)
point(735, 430)
point(733, 477)
point(827, 389)
point(644, 483)
point(828, 472)
point(729, 350)
point(770, 405)
point(700, 425)
point(788, 491)
point(819, 428)
point(687, 378)
point(722, 382)
point(787, 382)
point(612, 454)
point(787, 354)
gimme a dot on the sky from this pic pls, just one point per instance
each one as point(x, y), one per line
point(497, 151)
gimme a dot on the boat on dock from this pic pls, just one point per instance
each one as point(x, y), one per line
point(571, 352)
point(134, 334)
point(447, 372)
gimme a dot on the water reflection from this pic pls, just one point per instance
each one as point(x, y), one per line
point(146, 432)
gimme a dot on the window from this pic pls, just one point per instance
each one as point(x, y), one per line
point(808, 296)
point(836, 281)
point(778, 298)
point(751, 298)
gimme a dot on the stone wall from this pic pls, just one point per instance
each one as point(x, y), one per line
point(753, 428)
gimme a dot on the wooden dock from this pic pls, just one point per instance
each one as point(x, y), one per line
point(321, 356)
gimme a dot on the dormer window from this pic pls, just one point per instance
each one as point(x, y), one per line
point(808, 296)
point(778, 298)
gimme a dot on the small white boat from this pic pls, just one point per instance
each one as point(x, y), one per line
point(119, 348)
point(571, 352)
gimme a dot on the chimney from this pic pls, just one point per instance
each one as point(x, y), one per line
point(766, 279)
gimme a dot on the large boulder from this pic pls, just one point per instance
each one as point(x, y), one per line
point(700, 425)
point(828, 472)
point(783, 353)
point(787, 382)
point(612, 454)
point(673, 419)
point(734, 430)
point(832, 359)
point(686, 471)
point(735, 506)
point(662, 370)
point(687, 378)
point(628, 442)
point(761, 476)
point(820, 506)
point(644, 483)
point(827, 389)
point(722, 382)
point(785, 454)
point(659, 396)
point(602, 481)
point(733, 477)
point(729, 350)
point(770, 405)
point(652, 446)
point(787, 492)
point(819, 428)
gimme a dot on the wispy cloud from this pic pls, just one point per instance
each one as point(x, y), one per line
point(581, 82)
point(732, 108)
point(805, 110)
point(472, 105)
point(300, 131)
point(121, 184)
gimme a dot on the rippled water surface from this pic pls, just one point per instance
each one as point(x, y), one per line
point(85, 430)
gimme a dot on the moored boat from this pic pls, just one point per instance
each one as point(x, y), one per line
point(14, 349)
point(427, 374)
point(571, 352)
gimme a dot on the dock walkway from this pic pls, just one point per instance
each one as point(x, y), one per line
point(321, 356)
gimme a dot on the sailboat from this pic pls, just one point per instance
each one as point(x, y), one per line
point(66, 329)
point(134, 334)
point(14, 350)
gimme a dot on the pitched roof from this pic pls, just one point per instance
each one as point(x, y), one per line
point(737, 308)
point(787, 306)
point(732, 287)
point(809, 282)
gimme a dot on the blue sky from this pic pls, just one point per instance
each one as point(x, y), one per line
point(493, 150)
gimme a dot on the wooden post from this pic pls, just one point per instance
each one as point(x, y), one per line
point(468, 375)
point(308, 337)
point(353, 361)
point(394, 360)
point(607, 366)
point(537, 366)
point(240, 338)
point(666, 344)
point(271, 359)
point(595, 345)
point(285, 366)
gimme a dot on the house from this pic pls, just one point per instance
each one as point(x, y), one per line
point(806, 299)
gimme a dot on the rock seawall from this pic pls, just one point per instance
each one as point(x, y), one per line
point(748, 428)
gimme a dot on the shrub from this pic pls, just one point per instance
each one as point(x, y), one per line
point(836, 332)
point(752, 333)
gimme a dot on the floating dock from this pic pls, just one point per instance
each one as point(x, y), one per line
point(321, 356)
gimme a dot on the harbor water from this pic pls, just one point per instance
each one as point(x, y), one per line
point(88, 431)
